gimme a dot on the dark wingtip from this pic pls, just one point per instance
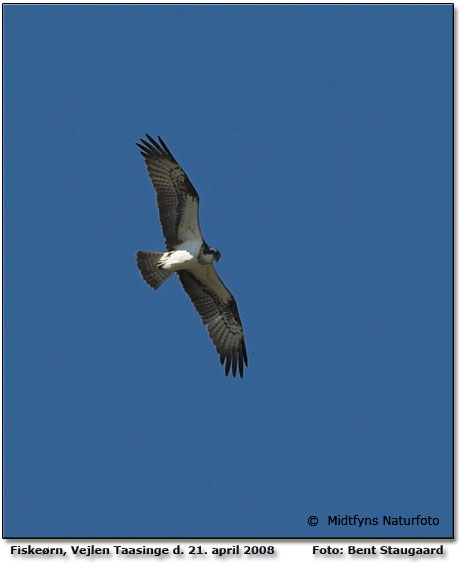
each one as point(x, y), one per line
point(165, 148)
point(153, 148)
point(241, 365)
point(244, 352)
point(234, 363)
point(146, 149)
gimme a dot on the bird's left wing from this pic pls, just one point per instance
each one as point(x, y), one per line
point(218, 309)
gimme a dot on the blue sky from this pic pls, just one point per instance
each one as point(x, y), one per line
point(320, 141)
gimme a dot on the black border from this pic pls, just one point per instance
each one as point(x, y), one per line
point(454, 363)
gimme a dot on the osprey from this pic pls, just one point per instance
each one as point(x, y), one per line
point(189, 256)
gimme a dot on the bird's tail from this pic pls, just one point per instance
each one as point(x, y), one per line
point(152, 274)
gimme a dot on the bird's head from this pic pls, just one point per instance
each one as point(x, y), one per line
point(216, 254)
point(209, 254)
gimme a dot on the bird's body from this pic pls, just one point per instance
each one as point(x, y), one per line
point(189, 256)
point(184, 256)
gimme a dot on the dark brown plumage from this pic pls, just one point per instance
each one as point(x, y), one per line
point(178, 202)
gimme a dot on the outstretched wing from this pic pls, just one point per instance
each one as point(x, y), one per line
point(177, 199)
point(218, 310)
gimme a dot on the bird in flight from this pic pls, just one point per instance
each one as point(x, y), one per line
point(189, 256)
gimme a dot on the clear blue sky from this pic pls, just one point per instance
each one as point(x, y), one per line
point(320, 141)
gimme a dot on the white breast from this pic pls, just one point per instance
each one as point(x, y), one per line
point(184, 256)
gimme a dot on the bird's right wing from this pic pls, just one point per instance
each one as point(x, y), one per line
point(177, 199)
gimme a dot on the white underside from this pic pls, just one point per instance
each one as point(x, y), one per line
point(188, 229)
point(184, 256)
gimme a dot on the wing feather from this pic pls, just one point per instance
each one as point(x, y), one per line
point(177, 199)
point(218, 309)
